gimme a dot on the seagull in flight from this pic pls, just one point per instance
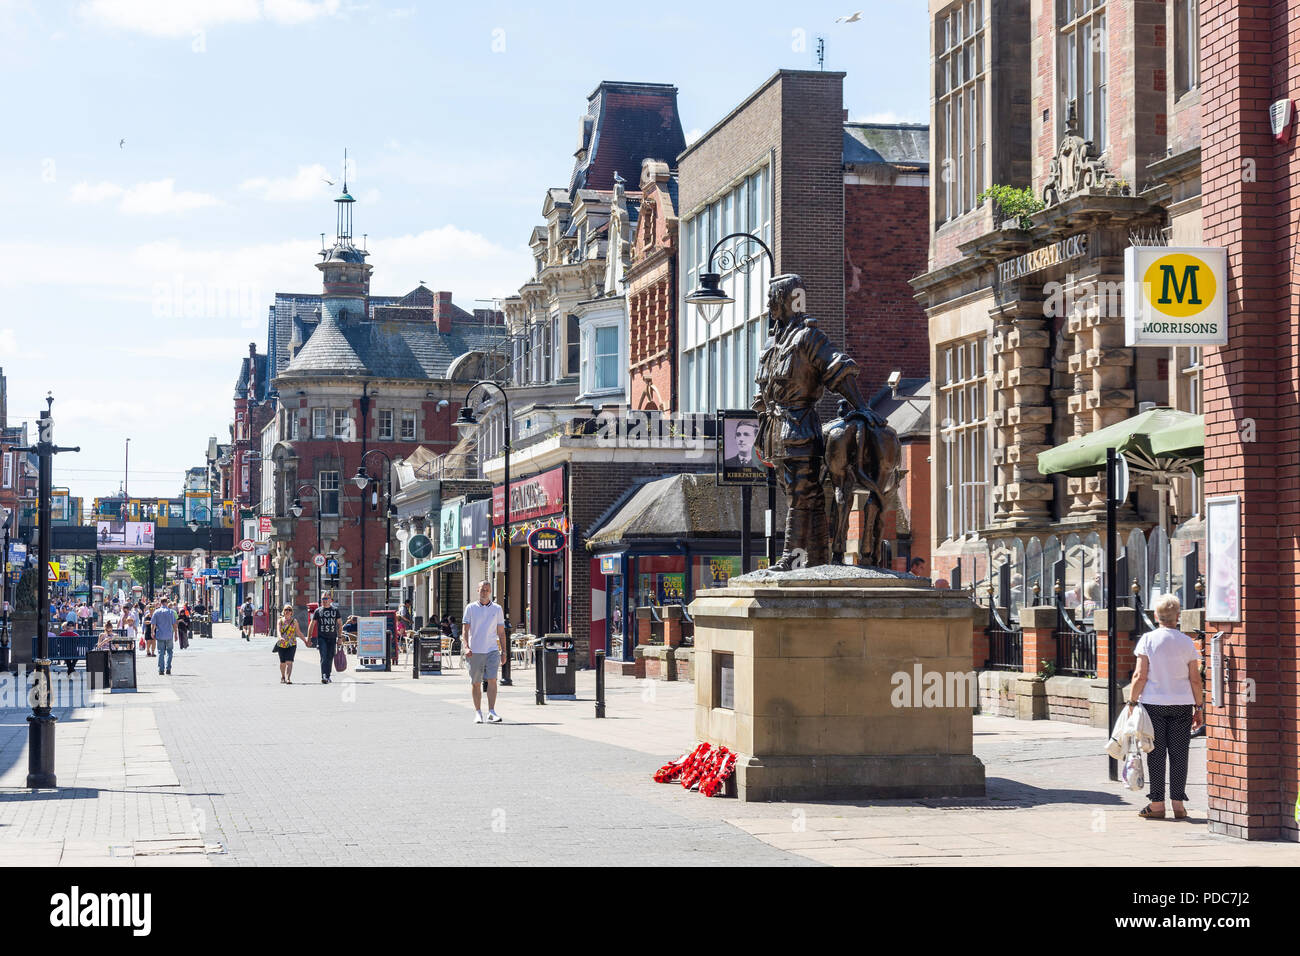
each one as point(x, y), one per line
point(851, 18)
point(327, 182)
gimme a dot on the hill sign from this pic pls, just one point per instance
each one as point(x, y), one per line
point(1175, 296)
point(546, 541)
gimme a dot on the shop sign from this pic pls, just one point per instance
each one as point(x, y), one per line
point(233, 573)
point(738, 462)
point(264, 524)
point(546, 541)
point(476, 523)
point(611, 564)
point(187, 572)
point(1175, 296)
point(723, 569)
point(370, 637)
point(530, 497)
point(672, 588)
point(224, 563)
point(1044, 257)
point(211, 573)
point(419, 547)
point(449, 528)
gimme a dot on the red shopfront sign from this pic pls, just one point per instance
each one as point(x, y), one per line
point(533, 497)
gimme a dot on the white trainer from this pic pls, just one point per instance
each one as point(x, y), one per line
point(478, 716)
point(494, 717)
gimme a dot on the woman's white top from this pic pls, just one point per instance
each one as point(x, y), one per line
point(1168, 652)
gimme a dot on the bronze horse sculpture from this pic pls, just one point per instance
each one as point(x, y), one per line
point(862, 466)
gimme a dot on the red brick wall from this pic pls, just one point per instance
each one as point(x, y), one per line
point(1251, 209)
point(886, 237)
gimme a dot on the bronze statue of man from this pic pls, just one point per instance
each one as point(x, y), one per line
point(797, 365)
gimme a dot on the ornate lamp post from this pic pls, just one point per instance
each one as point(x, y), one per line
point(4, 591)
point(708, 300)
point(40, 725)
point(297, 513)
point(362, 480)
point(466, 420)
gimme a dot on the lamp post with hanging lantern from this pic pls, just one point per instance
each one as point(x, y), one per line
point(466, 420)
point(708, 300)
point(362, 480)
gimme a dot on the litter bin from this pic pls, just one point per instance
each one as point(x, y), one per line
point(561, 667)
point(121, 664)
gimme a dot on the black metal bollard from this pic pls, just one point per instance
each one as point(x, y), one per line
point(539, 668)
point(600, 683)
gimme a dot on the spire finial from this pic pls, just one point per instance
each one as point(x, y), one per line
point(345, 169)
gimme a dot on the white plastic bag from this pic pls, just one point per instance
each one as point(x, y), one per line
point(1132, 772)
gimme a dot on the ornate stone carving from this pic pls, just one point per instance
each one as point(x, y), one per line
point(1076, 169)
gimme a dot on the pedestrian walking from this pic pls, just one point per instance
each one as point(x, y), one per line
point(1168, 686)
point(484, 637)
point(146, 623)
point(325, 621)
point(246, 619)
point(287, 645)
point(183, 627)
point(164, 634)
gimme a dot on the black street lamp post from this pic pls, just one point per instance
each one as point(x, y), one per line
point(709, 299)
point(40, 725)
point(362, 480)
point(297, 513)
point(467, 420)
point(4, 593)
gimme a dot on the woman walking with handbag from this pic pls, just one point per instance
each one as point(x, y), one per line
point(1168, 685)
point(287, 645)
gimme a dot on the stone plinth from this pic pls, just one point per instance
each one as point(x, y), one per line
point(845, 683)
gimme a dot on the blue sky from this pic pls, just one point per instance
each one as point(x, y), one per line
point(134, 276)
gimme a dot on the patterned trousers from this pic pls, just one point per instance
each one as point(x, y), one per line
point(1172, 724)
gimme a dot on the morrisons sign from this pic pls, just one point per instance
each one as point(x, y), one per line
point(1175, 296)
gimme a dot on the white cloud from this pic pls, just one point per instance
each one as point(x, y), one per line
point(693, 135)
point(306, 184)
point(84, 192)
point(161, 198)
point(192, 282)
point(11, 350)
point(148, 199)
point(173, 18)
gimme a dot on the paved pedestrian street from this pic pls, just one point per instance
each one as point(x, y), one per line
point(220, 765)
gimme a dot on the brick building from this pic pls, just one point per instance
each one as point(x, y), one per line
point(841, 204)
point(364, 382)
point(652, 293)
point(1249, 52)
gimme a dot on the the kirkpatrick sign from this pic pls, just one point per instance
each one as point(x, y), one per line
point(1044, 257)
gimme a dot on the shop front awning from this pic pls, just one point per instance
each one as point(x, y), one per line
point(1161, 442)
point(436, 561)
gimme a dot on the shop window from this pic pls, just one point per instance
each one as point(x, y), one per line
point(1083, 49)
point(964, 438)
point(959, 108)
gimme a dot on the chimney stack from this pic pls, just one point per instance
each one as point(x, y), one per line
point(442, 311)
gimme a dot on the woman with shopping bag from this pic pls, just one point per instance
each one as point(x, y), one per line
point(1168, 686)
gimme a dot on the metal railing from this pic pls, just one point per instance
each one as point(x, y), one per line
point(1006, 641)
point(1076, 647)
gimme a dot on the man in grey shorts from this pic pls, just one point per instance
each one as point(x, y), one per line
point(484, 638)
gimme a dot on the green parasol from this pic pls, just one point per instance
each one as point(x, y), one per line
point(1161, 443)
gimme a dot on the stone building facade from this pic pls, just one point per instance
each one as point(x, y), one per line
point(1059, 98)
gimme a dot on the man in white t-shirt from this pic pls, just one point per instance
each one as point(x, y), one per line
point(484, 639)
